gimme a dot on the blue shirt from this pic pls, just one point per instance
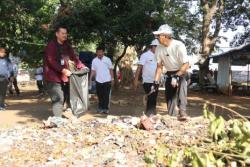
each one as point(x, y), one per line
point(5, 68)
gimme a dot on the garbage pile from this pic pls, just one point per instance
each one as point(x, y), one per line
point(112, 141)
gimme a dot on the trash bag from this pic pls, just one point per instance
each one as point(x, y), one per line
point(79, 91)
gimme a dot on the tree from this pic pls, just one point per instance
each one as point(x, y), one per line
point(21, 30)
point(237, 14)
point(218, 14)
point(113, 23)
point(212, 12)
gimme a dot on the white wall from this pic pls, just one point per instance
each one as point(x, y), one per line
point(224, 75)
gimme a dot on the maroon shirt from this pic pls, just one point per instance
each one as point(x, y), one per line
point(52, 61)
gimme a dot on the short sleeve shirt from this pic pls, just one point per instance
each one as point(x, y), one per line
point(148, 61)
point(102, 68)
point(173, 56)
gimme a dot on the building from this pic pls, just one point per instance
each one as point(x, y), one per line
point(239, 56)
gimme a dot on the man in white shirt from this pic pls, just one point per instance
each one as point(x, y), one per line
point(172, 54)
point(147, 65)
point(102, 69)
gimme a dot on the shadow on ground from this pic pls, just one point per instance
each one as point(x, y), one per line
point(31, 108)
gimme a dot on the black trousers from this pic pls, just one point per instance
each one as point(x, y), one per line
point(66, 94)
point(152, 99)
point(14, 83)
point(3, 90)
point(40, 86)
point(58, 95)
point(176, 96)
point(103, 91)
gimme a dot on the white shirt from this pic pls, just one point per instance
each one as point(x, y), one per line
point(102, 68)
point(148, 61)
point(173, 56)
point(39, 74)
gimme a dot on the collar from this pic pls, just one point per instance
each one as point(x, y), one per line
point(100, 58)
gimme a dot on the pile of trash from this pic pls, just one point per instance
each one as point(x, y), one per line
point(111, 141)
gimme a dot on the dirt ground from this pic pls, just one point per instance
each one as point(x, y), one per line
point(30, 108)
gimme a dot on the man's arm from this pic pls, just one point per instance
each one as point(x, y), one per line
point(111, 73)
point(92, 74)
point(183, 69)
point(78, 63)
point(182, 52)
point(11, 71)
point(158, 72)
point(137, 73)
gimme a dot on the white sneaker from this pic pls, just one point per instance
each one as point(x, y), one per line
point(106, 111)
point(68, 110)
point(2, 109)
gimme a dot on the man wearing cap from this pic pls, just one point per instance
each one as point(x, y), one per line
point(172, 54)
point(147, 64)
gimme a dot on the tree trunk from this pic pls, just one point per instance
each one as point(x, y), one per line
point(139, 50)
point(204, 68)
point(212, 10)
point(116, 64)
point(127, 75)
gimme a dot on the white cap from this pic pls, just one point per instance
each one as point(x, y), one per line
point(164, 29)
point(155, 42)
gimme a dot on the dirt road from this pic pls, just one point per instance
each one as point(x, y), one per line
point(29, 108)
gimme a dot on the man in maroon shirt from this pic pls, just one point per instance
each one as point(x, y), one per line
point(56, 69)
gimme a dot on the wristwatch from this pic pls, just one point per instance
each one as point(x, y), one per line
point(156, 82)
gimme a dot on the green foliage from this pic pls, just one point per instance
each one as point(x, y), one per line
point(217, 128)
point(232, 143)
point(186, 24)
point(237, 13)
point(21, 27)
point(204, 160)
point(111, 22)
point(229, 143)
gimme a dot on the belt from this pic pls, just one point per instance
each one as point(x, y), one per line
point(170, 73)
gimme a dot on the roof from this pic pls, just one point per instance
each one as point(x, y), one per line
point(239, 55)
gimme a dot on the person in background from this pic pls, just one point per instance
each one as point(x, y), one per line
point(173, 55)
point(14, 83)
point(6, 72)
point(103, 71)
point(39, 79)
point(58, 52)
point(147, 65)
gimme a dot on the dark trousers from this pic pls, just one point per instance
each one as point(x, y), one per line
point(57, 92)
point(3, 90)
point(65, 87)
point(176, 96)
point(103, 94)
point(40, 86)
point(151, 100)
point(14, 83)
